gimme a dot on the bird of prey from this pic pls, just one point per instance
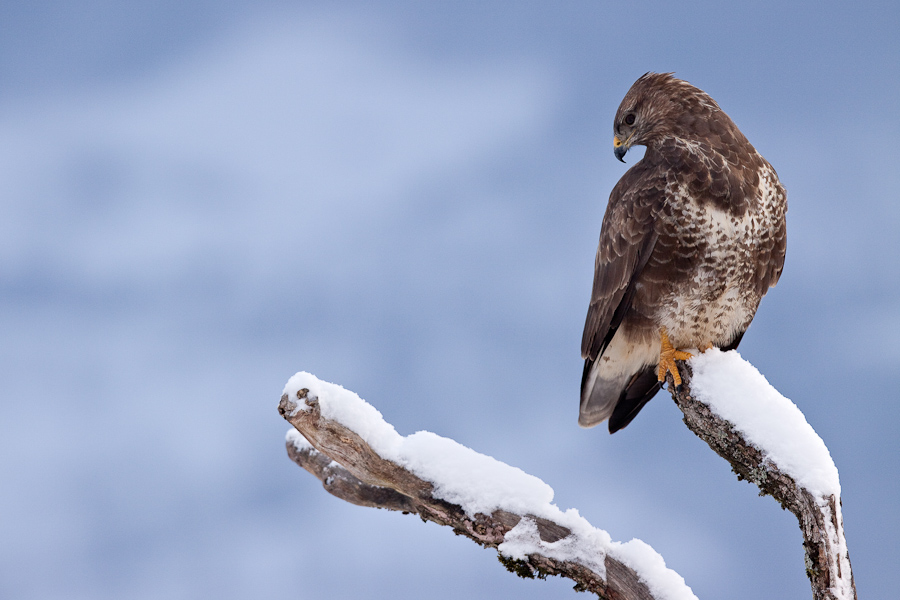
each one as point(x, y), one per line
point(693, 237)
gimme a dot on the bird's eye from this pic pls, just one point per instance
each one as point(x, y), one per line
point(629, 119)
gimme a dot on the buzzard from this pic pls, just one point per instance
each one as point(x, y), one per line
point(692, 239)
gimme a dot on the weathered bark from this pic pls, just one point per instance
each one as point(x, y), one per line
point(828, 578)
point(366, 479)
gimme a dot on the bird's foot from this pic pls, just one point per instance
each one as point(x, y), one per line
point(704, 347)
point(667, 357)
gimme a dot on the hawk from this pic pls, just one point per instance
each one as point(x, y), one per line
point(692, 239)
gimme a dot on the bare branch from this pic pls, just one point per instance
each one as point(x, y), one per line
point(366, 479)
point(827, 567)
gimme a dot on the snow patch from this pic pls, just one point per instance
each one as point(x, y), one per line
point(736, 391)
point(347, 408)
point(296, 438)
point(586, 545)
point(476, 482)
point(662, 581)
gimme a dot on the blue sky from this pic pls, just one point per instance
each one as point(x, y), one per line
point(199, 199)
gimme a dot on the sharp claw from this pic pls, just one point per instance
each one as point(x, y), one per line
point(667, 357)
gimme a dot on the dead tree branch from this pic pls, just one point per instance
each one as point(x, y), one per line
point(819, 518)
point(364, 478)
point(351, 470)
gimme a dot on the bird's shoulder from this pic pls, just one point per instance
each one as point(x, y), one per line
point(720, 171)
point(633, 204)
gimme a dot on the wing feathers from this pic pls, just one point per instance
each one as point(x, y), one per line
point(621, 256)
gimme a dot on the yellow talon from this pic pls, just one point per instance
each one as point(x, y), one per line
point(667, 357)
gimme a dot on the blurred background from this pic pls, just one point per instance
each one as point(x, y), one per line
point(198, 199)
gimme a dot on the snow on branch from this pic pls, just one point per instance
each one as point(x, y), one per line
point(360, 458)
point(730, 405)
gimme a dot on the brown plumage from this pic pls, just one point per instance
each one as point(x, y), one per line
point(693, 237)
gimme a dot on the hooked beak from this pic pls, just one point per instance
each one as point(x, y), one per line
point(619, 148)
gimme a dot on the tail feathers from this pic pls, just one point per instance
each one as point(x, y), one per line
point(618, 399)
point(622, 397)
point(598, 395)
point(642, 387)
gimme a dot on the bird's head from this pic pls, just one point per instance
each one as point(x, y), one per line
point(659, 106)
